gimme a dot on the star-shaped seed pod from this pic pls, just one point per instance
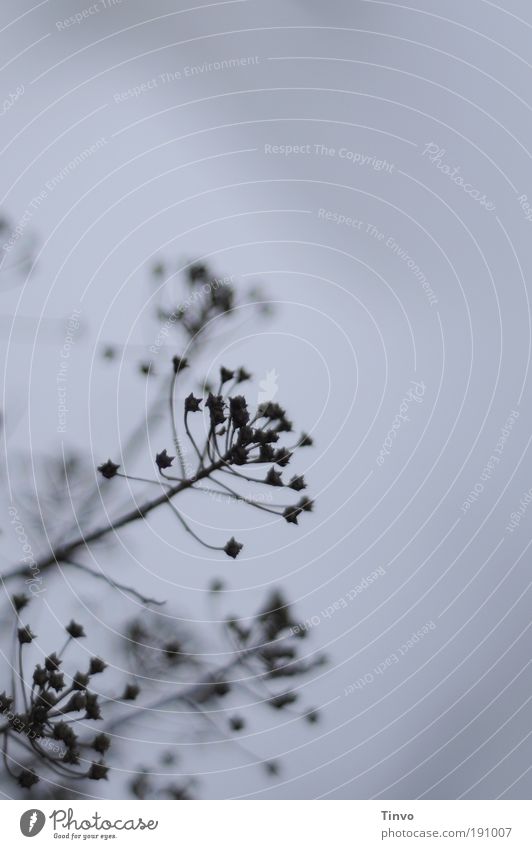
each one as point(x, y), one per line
point(233, 548)
point(27, 778)
point(285, 426)
point(75, 630)
point(192, 404)
point(265, 437)
point(239, 455)
point(40, 676)
point(226, 374)
point(272, 411)
point(163, 460)
point(179, 364)
point(239, 411)
point(25, 635)
point(246, 435)
point(5, 702)
point(76, 702)
point(266, 454)
point(223, 297)
point(297, 483)
point(274, 478)
point(130, 693)
point(305, 504)
point(92, 707)
point(215, 405)
point(96, 665)
point(221, 688)
point(80, 681)
point(63, 731)
point(52, 662)
point(197, 271)
point(101, 743)
point(98, 771)
point(57, 681)
point(282, 457)
point(108, 469)
point(291, 514)
point(20, 600)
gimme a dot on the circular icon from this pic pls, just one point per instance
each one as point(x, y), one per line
point(32, 822)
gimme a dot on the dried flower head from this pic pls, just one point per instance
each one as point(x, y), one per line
point(20, 600)
point(226, 375)
point(75, 630)
point(192, 404)
point(179, 363)
point(163, 460)
point(233, 548)
point(108, 469)
point(130, 693)
point(96, 665)
point(98, 771)
point(101, 743)
point(52, 662)
point(297, 483)
point(25, 635)
point(274, 478)
point(27, 778)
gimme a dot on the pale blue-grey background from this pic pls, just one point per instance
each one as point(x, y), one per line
point(182, 172)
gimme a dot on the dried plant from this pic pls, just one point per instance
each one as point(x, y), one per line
point(265, 654)
point(232, 445)
point(42, 710)
point(235, 439)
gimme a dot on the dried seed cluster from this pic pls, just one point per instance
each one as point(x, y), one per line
point(41, 713)
point(235, 440)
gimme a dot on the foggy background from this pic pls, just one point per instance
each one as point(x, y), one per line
point(389, 103)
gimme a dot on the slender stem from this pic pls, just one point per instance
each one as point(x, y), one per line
point(227, 441)
point(13, 661)
point(6, 756)
point(230, 471)
point(191, 532)
point(61, 553)
point(247, 500)
point(63, 694)
point(187, 429)
point(64, 648)
point(115, 584)
point(191, 691)
point(141, 480)
point(206, 451)
point(169, 477)
point(221, 730)
point(22, 682)
point(174, 425)
point(94, 494)
point(56, 765)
